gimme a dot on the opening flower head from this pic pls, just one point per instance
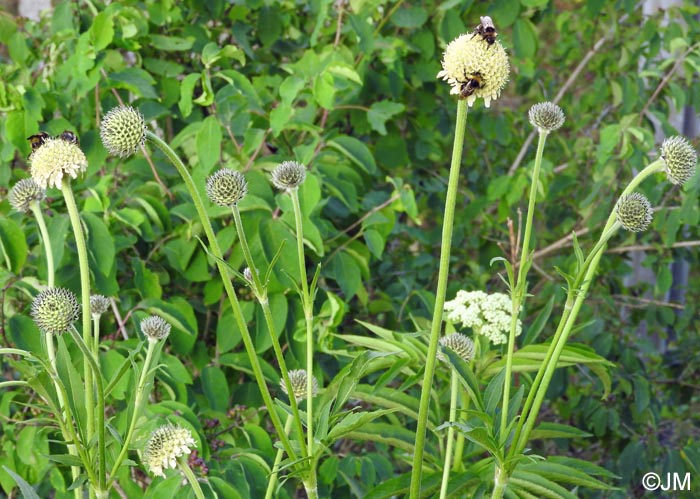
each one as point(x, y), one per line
point(165, 445)
point(226, 187)
point(680, 158)
point(634, 212)
point(155, 328)
point(99, 304)
point(546, 117)
point(298, 379)
point(475, 68)
point(288, 175)
point(24, 193)
point(487, 314)
point(55, 310)
point(123, 131)
point(459, 344)
point(54, 159)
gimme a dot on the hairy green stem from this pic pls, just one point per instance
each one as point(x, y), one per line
point(272, 482)
point(46, 239)
point(307, 301)
point(436, 327)
point(520, 285)
point(228, 287)
point(138, 402)
point(261, 295)
point(77, 227)
point(454, 391)
point(189, 474)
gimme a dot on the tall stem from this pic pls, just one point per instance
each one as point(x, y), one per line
point(46, 239)
point(138, 402)
point(101, 458)
point(185, 468)
point(520, 285)
point(77, 227)
point(454, 391)
point(436, 326)
point(272, 482)
point(51, 353)
point(267, 313)
point(228, 287)
point(308, 319)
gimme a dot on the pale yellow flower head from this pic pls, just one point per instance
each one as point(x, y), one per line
point(470, 58)
point(166, 444)
point(54, 159)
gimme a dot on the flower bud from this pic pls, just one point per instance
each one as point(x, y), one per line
point(546, 117)
point(459, 344)
point(123, 131)
point(680, 158)
point(155, 328)
point(165, 445)
point(98, 305)
point(288, 175)
point(55, 310)
point(226, 187)
point(55, 158)
point(634, 212)
point(298, 378)
point(24, 193)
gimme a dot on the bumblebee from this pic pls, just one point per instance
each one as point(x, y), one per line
point(38, 140)
point(69, 136)
point(470, 85)
point(486, 30)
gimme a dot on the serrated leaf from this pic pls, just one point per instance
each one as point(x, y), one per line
point(380, 112)
point(351, 422)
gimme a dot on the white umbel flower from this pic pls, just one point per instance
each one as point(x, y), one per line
point(487, 314)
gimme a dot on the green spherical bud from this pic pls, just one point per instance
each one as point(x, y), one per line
point(54, 159)
point(24, 193)
point(298, 378)
point(155, 328)
point(123, 131)
point(546, 117)
point(634, 212)
point(459, 344)
point(680, 158)
point(165, 445)
point(55, 310)
point(226, 187)
point(288, 175)
point(98, 305)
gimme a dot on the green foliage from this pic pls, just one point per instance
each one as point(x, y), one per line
point(349, 89)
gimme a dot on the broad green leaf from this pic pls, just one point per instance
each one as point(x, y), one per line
point(215, 388)
point(351, 422)
point(468, 378)
point(171, 43)
point(102, 30)
point(13, 245)
point(355, 151)
point(135, 80)
point(186, 93)
point(209, 142)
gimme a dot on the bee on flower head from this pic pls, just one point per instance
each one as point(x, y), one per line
point(486, 30)
point(470, 84)
point(37, 140)
point(69, 136)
